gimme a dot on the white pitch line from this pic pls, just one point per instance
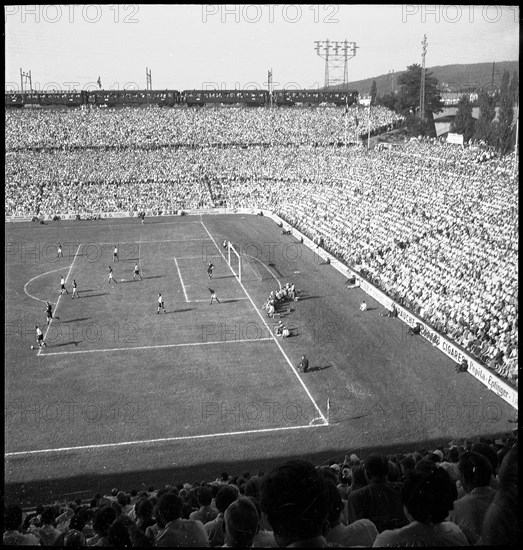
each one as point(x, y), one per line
point(181, 280)
point(270, 332)
point(223, 300)
point(41, 275)
point(155, 347)
point(193, 257)
point(162, 440)
point(58, 301)
point(181, 239)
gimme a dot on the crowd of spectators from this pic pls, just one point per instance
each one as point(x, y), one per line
point(137, 129)
point(433, 225)
point(461, 494)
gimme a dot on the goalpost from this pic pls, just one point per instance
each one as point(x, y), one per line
point(235, 266)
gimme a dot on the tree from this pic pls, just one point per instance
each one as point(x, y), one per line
point(514, 87)
point(387, 100)
point(485, 129)
point(463, 121)
point(505, 133)
point(410, 87)
point(373, 92)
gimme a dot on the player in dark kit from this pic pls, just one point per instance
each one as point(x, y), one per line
point(49, 313)
point(136, 272)
point(75, 290)
point(304, 364)
point(209, 270)
point(160, 303)
point(60, 253)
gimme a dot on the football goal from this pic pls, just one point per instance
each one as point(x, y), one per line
point(234, 260)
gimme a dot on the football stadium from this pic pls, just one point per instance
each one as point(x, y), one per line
point(260, 318)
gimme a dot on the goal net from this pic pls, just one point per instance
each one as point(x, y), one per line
point(251, 262)
point(234, 260)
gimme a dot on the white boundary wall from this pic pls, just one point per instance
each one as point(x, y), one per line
point(495, 384)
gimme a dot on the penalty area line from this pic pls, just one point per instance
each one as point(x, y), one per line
point(107, 350)
point(162, 440)
point(181, 280)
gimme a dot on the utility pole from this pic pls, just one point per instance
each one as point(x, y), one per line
point(368, 135)
point(148, 84)
point(269, 82)
point(422, 92)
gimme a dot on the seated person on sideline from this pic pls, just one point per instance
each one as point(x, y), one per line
point(392, 312)
point(352, 282)
point(416, 329)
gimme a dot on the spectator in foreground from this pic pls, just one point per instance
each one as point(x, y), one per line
point(77, 523)
point(118, 532)
point(360, 533)
point(296, 501)
point(502, 521)
point(380, 500)
point(207, 512)
point(264, 537)
point(178, 532)
point(74, 538)
point(13, 518)
point(103, 519)
point(241, 523)
point(469, 511)
point(214, 529)
point(47, 533)
point(152, 531)
point(450, 463)
point(427, 495)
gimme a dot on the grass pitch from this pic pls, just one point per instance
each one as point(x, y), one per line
point(124, 393)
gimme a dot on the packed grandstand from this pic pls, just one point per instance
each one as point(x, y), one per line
point(433, 225)
point(424, 221)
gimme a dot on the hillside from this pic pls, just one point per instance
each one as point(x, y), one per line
point(451, 77)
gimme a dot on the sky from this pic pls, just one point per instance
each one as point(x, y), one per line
point(230, 46)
